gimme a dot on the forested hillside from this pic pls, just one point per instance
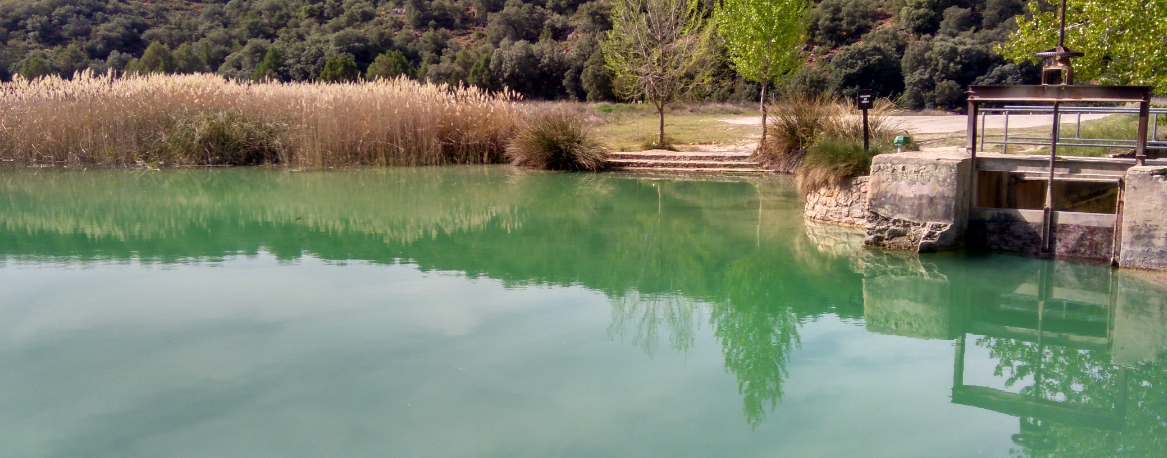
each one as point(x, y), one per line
point(921, 52)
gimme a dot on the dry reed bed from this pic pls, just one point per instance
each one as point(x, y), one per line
point(205, 119)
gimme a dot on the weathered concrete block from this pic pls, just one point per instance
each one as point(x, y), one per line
point(918, 201)
point(1144, 219)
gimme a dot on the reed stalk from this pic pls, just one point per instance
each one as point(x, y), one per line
point(204, 119)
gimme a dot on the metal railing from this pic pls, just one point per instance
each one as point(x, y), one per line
point(1076, 140)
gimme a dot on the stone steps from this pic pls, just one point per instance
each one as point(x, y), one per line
point(690, 169)
point(674, 163)
point(684, 162)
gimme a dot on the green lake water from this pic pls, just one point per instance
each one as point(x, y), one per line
point(491, 312)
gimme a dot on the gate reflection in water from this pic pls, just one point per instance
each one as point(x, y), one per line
point(1074, 352)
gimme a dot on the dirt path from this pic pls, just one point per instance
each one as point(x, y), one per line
point(952, 123)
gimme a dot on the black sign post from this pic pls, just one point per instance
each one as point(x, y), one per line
point(866, 102)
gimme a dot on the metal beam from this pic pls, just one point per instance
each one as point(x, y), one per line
point(1060, 93)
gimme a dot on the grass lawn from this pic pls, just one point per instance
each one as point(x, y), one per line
point(1116, 126)
point(630, 127)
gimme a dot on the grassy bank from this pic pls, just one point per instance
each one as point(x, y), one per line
point(205, 119)
point(690, 127)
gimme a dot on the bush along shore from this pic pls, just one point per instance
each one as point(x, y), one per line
point(204, 119)
point(820, 140)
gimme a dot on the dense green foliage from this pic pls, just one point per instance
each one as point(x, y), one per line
point(922, 53)
point(926, 51)
point(1128, 32)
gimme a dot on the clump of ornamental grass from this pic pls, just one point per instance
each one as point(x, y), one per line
point(797, 123)
point(792, 126)
point(557, 138)
point(179, 119)
point(834, 161)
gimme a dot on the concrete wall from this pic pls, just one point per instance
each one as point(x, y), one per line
point(1075, 235)
point(1144, 219)
point(918, 201)
point(846, 204)
point(1140, 323)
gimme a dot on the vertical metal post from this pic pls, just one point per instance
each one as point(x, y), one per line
point(1154, 127)
point(865, 131)
point(1078, 132)
point(1005, 147)
point(984, 129)
point(1047, 212)
point(972, 151)
point(1141, 149)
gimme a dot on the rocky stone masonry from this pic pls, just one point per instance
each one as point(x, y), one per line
point(846, 204)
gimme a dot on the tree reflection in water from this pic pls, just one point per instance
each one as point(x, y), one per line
point(1074, 343)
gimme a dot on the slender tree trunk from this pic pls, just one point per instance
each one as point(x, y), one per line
point(762, 145)
point(660, 109)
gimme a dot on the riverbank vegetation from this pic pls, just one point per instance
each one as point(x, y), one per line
point(799, 123)
point(833, 161)
point(557, 138)
point(205, 119)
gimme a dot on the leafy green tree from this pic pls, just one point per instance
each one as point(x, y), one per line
point(839, 22)
point(597, 79)
point(764, 38)
point(69, 60)
point(35, 68)
point(271, 68)
point(659, 51)
point(809, 81)
point(389, 65)
point(1124, 31)
point(480, 74)
point(922, 17)
point(186, 60)
point(867, 66)
point(156, 59)
point(938, 69)
point(339, 69)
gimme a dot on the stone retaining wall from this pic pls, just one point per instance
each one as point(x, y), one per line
point(846, 204)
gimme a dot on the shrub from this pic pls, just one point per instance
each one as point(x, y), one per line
point(35, 68)
point(389, 65)
point(799, 122)
point(833, 161)
point(867, 66)
point(937, 69)
point(808, 81)
point(339, 69)
point(557, 138)
point(793, 126)
point(921, 17)
point(840, 22)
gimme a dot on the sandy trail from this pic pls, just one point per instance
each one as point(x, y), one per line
point(954, 123)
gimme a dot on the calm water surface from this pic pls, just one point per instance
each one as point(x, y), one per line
point(487, 312)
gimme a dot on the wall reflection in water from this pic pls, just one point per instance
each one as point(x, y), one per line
point(1077, 353)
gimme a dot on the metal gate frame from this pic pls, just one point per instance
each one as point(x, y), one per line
point(1055, 95)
